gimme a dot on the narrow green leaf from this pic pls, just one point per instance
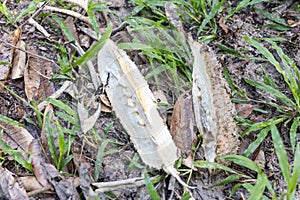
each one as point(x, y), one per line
point(136, 46)
point(211, 165)
point(281, 153)
point(255, 144)
point(242, 161)
point(15, 154)
point(74, 121)
point(29, 10)
point(279, 95)
point(296, 173)
point(272, 17)
point(257, 191)
point(216, 8)
point(156, 71)
point(62, 106)
point(50, 139)
point(99, 159)
point(150, 188)
point(93, 51)
point(4, 10)
point(61, 145)
point(64, 28)
point(293, 132)
point(230, 179)
point(10, 121)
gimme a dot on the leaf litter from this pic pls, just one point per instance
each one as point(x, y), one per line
point(85, 173)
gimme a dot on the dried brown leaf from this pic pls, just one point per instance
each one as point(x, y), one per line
point(10, 187)
point(183, 126)
point(244, 110)
point(223, 25)
point(63, 188)
point(37, 160)
point(32, 77)
point(19, 60)
point(15, 39)
point(16, 137)
point(87, 122)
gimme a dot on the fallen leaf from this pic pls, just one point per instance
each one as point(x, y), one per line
point(16, 137)
point(10, 187)
point(223, 25)
point(32, 77)
point(37, 159)
point(183, 126)
point(15, 39)
point(87, 122)
point(244, 110)
point(63, 188)
point(19, 61)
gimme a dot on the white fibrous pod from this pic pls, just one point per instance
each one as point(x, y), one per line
point(212, 105)
point(135, 106)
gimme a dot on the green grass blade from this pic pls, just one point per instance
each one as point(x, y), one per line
point(279, 95)
point(62, 106)
point(61, 145)
point(260, 125)
point(281, 153)
point(230, 179)
point(64, 28)
point(216, 8)
point(31, 9)
point(10, 121)
point(257, 191)
point(291, 76)
point(243, 4)
point(273, 18)
point(136, 46)
point(255, 144)
point(211, 165)
point(74, 121)
point(50, 139)
point(293, 132)
point(150, 188)
point(93, 51)
point(296, 173)
point(242, 161)
point(4, 10)
point(266, 53)
point(14, 153)
point(99, 158)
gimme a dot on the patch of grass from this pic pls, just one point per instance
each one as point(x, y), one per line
point(11, 19)
point(61, 138)
point(165, 49)
point(287, 106)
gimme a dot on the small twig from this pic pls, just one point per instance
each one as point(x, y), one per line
point(32, 54)
point(114, 185)
point(68, 12)
point(38, 191)
point(55, 95)
point(38, 27)
point(82, 3)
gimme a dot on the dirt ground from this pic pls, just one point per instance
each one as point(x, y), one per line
point(122, 162)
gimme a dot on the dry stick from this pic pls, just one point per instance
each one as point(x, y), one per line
point(114, 185)
point(68, 12)
point(32, 54)
point(82, 3)
point(55, 95)
point(38, 191)
point(38, 27)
